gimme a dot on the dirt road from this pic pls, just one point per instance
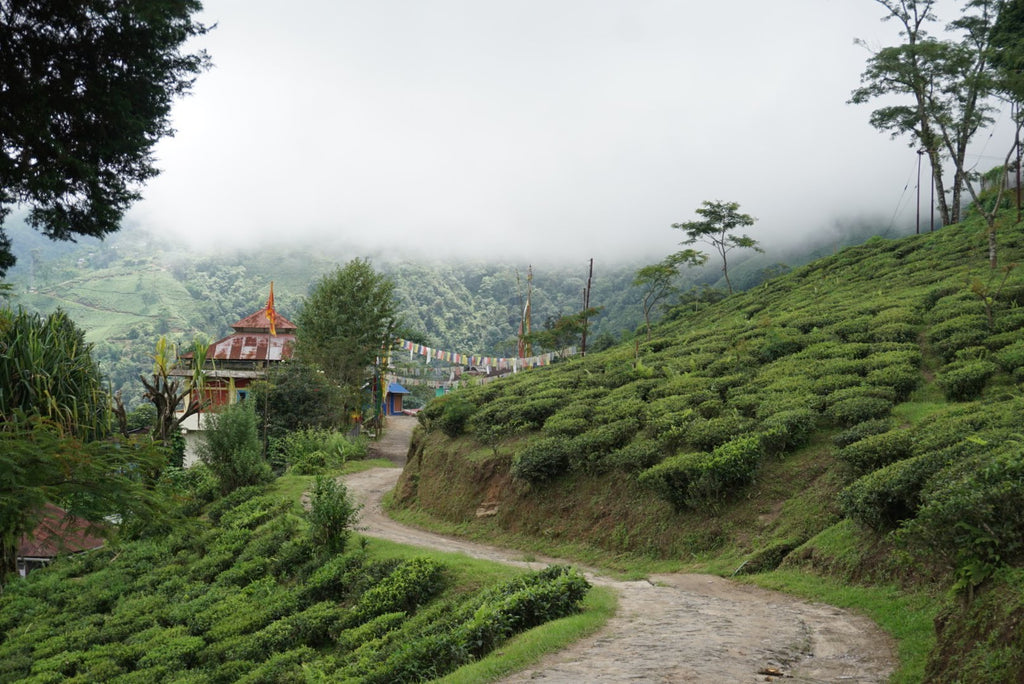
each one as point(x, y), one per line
point(670, 628)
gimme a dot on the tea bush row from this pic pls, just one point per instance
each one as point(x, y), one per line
point(269, 604)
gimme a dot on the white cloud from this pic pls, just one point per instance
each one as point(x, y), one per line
point(577, 128)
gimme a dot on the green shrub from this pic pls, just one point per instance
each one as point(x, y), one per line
point(875, 451)
point(901, 379)
point(541, 460)
point(787, 430)
point(671, 479)
point(336, 577)
point(568, 422)
point(692, 479)
point(411, 584)
point(885, 498)
point(706, 435)
point(640, 454)
point(830, 383)
point(862, 430)
point(958, 333)
point(971, 513)
point(896, 332)
point(253, 512)
point(232, 449)
point(587, 450)
point(331, 514)
point(858, 409)
point(456, 412)
point(235, 498)
point(965, 381)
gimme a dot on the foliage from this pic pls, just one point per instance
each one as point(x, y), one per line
point(331, 514)
point(92, 480)
point(541, 460)
point(658, 280)
point(965, 380)
point(47, 370)
point(294, 396)
point(346, 327)
point(971, 515)
point(231, 447)
point(718, 220)
point(310, 451)
point(695, 479)
point(76, 178)
point(215, 605)
point(875, 451)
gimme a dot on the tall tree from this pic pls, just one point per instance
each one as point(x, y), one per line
point(951, 83)
point(346, 327)
point(908, 70)
point(85, 93)
point(718, 221)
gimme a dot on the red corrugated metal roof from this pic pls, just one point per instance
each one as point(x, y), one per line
point(259, 321)
point(56, 533)
point(252, 347)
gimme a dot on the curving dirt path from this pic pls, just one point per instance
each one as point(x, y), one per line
point(674, 627)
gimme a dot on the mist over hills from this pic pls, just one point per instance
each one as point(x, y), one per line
point(127, 290)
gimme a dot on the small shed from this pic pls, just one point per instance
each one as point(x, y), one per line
point(393, 399)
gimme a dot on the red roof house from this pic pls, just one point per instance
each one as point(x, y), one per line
point(56, 534)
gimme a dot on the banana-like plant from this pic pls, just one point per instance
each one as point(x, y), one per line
point(168, 391)
point(47, 370)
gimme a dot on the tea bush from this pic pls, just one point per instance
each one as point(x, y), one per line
point(887, 497)
point(902, 379)
point(454, 413)
point(787, 430)
point(862, 430)
point(875, 451)
point(855, 410)
point(706, 435)
point(965, 381)
point(692, 479)
point(638, 455)
point(971, 514)
point(587, 450)
point(541, 460)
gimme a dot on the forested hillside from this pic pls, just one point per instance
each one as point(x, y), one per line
point(858, 418)
point(133, 287)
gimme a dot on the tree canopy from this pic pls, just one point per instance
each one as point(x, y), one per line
point(347, 325)
point(946, 89)
point(718, 220)
point(85, 93)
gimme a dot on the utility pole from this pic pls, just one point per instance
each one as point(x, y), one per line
point(586, 307)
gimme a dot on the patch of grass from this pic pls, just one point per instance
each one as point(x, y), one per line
point(526, 649)
point(908, 617)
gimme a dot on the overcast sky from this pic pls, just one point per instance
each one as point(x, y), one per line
point(525, 129)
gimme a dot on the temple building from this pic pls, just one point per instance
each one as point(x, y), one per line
point(233, 363)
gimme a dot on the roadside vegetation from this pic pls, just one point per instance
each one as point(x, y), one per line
point(857, 419)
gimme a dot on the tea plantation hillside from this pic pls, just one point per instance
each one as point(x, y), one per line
point(860, 418)
point(246, 589)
